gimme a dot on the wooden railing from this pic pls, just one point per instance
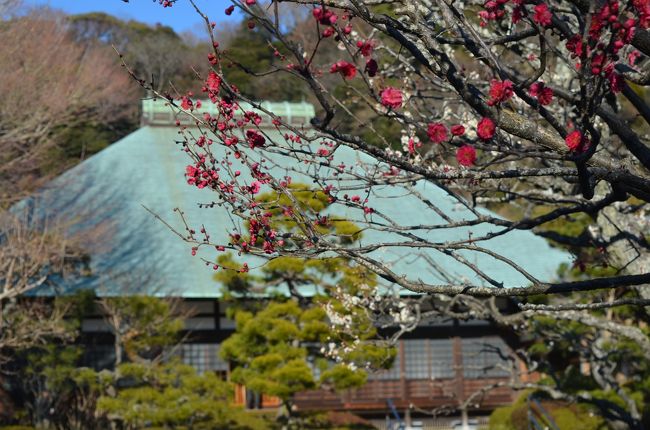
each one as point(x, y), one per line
point(451, 379)
point(424, 394)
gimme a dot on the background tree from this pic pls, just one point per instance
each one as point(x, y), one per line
point(143, 327)
point(76, 102)
point(47, 387)
point(560, 415)
point(56, 81)
point(254, 66)
point(54, 389)
point(50, 85)
point(30, 256)
point(173, 395)
point(152, 387)
point(156, 52)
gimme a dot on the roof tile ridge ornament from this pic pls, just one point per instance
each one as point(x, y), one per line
point(159, 112)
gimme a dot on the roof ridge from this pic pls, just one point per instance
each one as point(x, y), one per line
point(157, 111)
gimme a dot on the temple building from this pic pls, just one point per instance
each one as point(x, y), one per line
point(121, 187)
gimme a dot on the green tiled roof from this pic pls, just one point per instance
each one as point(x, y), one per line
point(146, 169)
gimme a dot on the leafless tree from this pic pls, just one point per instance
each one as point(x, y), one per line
point(48, 83)
point(145, 329)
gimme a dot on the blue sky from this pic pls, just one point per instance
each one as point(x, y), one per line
point(181, 17)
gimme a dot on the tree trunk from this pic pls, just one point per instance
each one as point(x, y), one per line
point(624, 252)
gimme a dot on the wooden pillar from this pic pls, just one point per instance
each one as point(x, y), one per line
point(458, 367)
point(402, 369)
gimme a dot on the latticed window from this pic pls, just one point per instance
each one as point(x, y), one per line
point(388, 374)
point(423, 359)
point(485, 357)
point(442, 358)
point(203, 357)
point(416, 359)
point(429, 358)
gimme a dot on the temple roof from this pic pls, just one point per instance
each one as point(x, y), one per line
point(120, 187)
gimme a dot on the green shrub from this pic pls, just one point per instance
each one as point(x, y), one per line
point(565, 416)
